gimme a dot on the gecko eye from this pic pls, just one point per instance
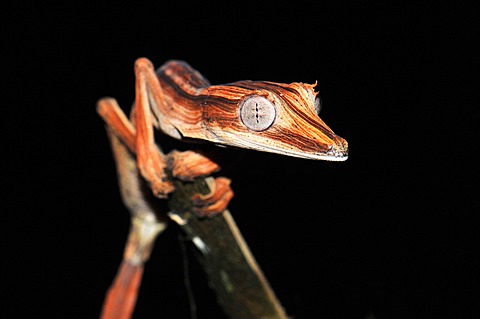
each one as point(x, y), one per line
point(257, 113)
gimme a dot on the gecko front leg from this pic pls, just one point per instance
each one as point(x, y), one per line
point(153, 172)
point(137, 134)
point(151, 162)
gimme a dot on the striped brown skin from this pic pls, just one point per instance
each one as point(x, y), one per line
point(211, 112)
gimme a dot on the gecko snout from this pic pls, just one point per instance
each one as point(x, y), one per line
point(339, 149)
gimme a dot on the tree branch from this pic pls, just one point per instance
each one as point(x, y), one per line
point(241, 288)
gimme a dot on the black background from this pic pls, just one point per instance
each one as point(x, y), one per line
point(391, 233)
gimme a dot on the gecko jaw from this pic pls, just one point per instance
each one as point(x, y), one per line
point(336, 150)
point(332, 155)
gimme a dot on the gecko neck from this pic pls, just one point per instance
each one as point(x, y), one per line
point(183, 90)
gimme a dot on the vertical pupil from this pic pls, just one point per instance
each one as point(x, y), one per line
point(256, 112)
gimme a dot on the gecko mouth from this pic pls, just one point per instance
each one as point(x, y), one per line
point(333, 154)
point(337, 151)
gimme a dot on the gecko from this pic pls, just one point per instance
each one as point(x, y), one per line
point(178, 101)
point(257, 115)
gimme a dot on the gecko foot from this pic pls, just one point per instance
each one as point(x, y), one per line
point(215, 202)
point(189, 165)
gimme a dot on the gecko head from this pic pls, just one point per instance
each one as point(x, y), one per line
point(271, 117)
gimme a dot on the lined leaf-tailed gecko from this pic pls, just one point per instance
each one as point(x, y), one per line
point(180, 102)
